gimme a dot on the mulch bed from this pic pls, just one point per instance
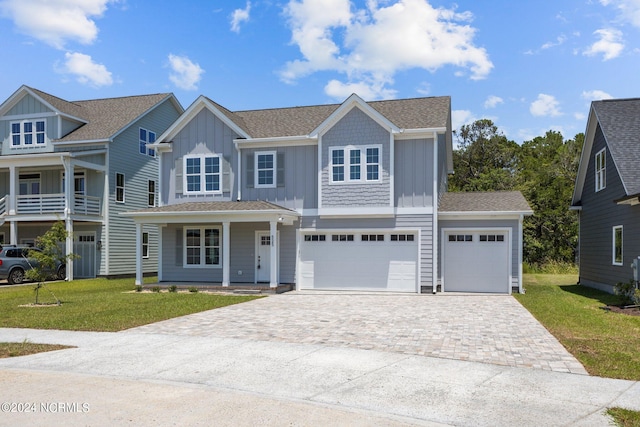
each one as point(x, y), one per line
point(631, 311)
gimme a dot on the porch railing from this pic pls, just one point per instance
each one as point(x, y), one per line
point(54, 203)
point(3, 205)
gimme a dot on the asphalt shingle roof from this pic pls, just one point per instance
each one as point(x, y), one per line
point(494, 201)
point(225, 206)
point(620, 123)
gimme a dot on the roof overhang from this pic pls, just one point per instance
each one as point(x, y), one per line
point(284, 141)
point(283, 216)
point(477, 215)
point(25, 90)
point(629, 200)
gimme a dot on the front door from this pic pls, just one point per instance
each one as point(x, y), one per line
point(263, 257)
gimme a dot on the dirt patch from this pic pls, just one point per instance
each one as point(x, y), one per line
point(631, 311)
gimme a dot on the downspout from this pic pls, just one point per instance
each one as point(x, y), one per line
point(434, 231)
point(239, 178)
point(520, 250)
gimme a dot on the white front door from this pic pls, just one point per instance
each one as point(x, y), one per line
point(263, 256)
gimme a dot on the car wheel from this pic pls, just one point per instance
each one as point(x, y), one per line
point(16, 277)
point(62, 272)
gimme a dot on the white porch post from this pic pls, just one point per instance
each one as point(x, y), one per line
point(13, 193)
point(161, 229)
point(13, 232)
point(273, 231)
point(138, 254)
point(226, 252)
point(68, 187)
point(69, 247)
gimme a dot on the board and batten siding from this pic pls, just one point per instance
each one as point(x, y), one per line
point(443, 170)
point(356, 129)
point(421, 223)
point(138, 169)
point(296, 186)
point(598, 217)
point(204, 134)
point(475, 224)
point(243, 257)
point(413, 173)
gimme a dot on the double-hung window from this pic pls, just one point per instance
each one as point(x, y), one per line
point(28, 133)
point(202, 247)
point(265, 167)
point(202, 174)
point(151, 193)
point(355, 164)
point(119, 188)
point(617, 245)
point(145, 245)
point(147, 137)
point(601, 170)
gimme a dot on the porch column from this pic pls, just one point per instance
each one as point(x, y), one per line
point(69, 247)
point(226, 255)
point(273, 231)
point(138, 254)
point(13, 191)
point(68, 187)
point(13, 232)
point(161, 229)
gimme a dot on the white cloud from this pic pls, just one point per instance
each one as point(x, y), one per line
point(492, 101)
point(461, 117)
point(86, 71)
point(545, 105)
point(610, 44)
point(559, 40)
point(365, 90)
point(579, 116)
point(629, 10)
point(56, 21)
point(595, 95)
point(371, 45)
point(185, 73)
point(239, 16)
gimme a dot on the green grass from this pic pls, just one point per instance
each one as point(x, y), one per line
point(15, 349)
point(606, 343)
point(102, 305)
point(625, 417)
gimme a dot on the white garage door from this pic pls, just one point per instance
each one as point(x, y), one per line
point(359, 261)
point(476, 261)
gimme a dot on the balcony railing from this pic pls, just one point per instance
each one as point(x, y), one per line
point(3, 205)
point(54, 203)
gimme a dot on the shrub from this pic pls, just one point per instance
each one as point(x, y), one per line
point(549, 266)
point(156, 289)
point(193, 289)
point(173, 288)
point(138, 288)
point(628, 292)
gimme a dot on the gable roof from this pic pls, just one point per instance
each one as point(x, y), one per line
point(101, 119)
point(619, 120)
point(485, 202)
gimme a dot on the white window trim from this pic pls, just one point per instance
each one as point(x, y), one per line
point(203, 263)
point(148, 151)
point(256, 171)
point(76, 174)
point(203, 180)
point(613, 245)
point(124, 184)
point(600, 174)
point(34, 133)
point(363, 164)
point(145, 246)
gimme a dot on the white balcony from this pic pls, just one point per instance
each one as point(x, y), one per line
point(37, 204)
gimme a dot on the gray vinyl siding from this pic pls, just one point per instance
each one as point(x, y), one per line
point(300, 187)
point(356, 129)
point(475, 224)
point(414, 173)
point(204, 134)
point(242, 256)
point(598, 217)
point(423, 223)
point(67, 127)
point(138, 169)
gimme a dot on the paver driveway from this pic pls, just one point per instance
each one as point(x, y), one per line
point(479, 328)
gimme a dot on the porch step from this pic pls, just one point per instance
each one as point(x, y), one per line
point(247, 291)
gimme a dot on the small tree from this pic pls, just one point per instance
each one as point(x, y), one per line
point(49, 257)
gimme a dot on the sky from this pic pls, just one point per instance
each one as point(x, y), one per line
point(528, 65)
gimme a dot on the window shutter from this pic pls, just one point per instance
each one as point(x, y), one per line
point(250, 172)
point(226, 175)
point(179, 176)
point(179, 247)
point(280, 171)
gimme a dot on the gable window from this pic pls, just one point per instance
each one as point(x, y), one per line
point(617, 245)
point(28, 133)
point(202, 174)
point(119, 187)
point(265, 167)
point(152, 193)
point(147, 137)
point(601, 170)
point(202, 247)
point(145, 245)
point(355, 164)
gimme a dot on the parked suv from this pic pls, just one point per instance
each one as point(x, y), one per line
point(14, 261)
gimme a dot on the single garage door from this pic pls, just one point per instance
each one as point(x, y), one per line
point(476, 261)
point(386, 261)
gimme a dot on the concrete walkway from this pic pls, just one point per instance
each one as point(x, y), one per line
point(154, 376)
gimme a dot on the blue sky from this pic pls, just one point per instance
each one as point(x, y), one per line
point(530, 66)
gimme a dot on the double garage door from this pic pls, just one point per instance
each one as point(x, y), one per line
point(347, 260)
point(476, 261)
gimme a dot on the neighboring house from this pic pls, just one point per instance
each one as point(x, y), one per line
point(101, 143)
point(338, 196)
point(607, 194)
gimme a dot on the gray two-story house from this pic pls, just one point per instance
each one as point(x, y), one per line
point(348, 196)
point(607, 194)
point(82, 162)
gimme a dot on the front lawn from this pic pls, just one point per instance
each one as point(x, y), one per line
point(606, 343)
point(101, 305)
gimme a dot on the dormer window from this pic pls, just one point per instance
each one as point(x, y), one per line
point(28, 133)
point(355, 164)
